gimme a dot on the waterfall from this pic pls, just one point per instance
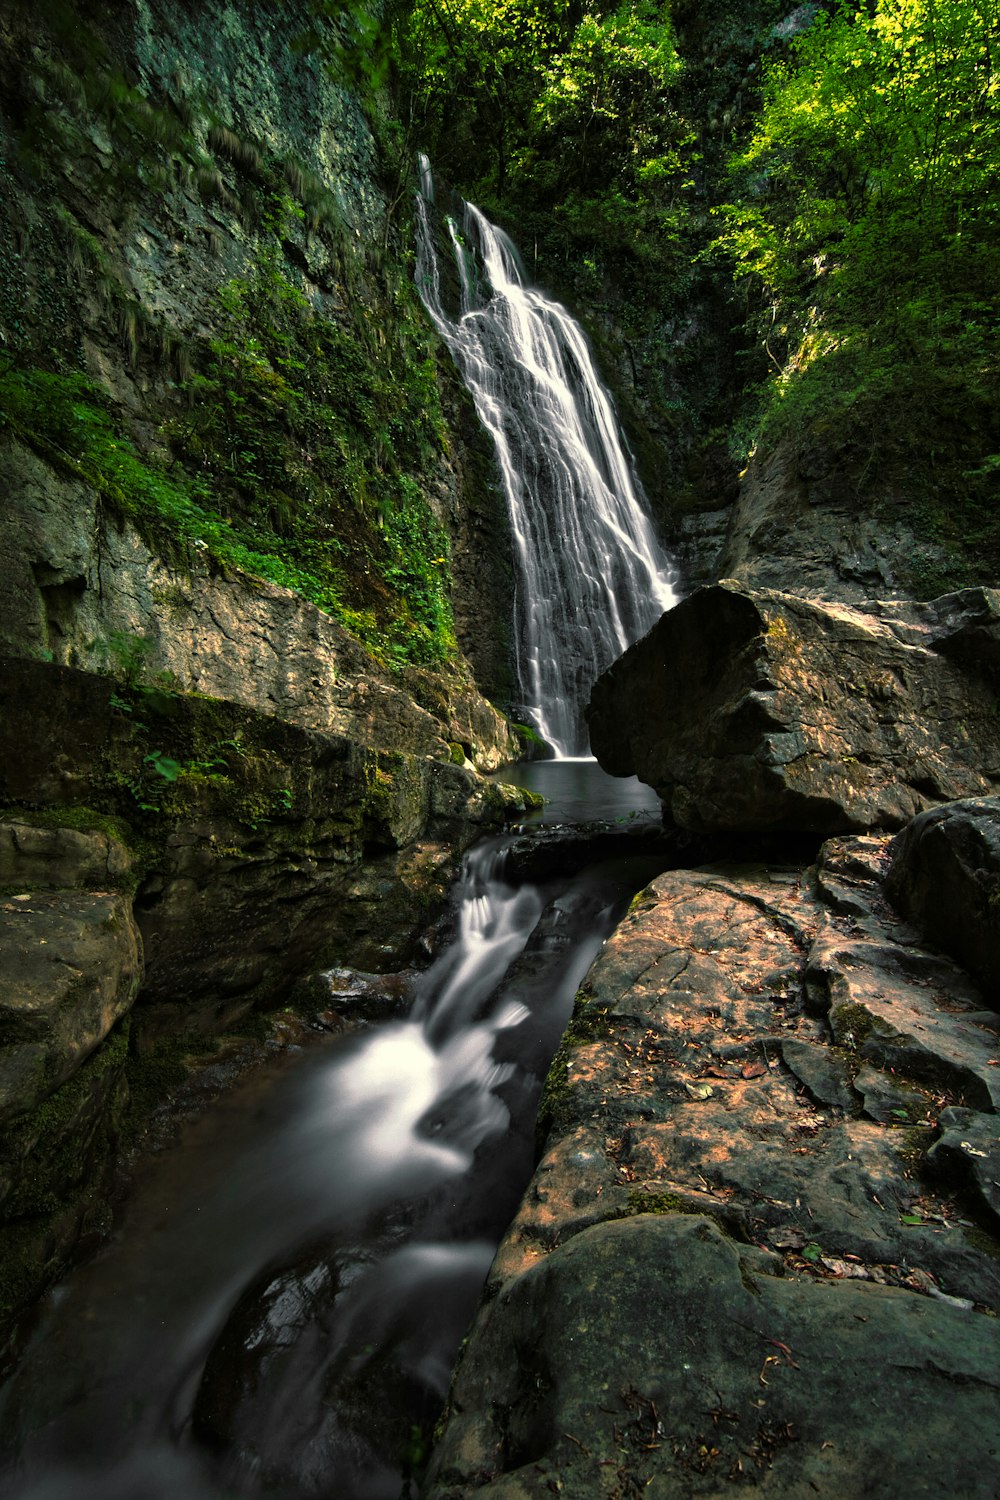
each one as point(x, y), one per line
point(590, 575)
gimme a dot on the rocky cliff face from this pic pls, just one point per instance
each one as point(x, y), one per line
point(238, 741)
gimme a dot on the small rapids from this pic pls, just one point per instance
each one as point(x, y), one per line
point(279, 1309)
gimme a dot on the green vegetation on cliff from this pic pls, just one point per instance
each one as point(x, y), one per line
point(284, 414)
point(865, 225)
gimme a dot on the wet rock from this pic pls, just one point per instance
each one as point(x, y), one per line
point(641, 1356)
point(801, 714)
point(945, 877)
point(70, 966)
point(549, 850)
point(354, 995)
point(338, 1365)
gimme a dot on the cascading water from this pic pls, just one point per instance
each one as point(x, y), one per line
point(315, 1234)
point(591, 578)
point(295, 1277)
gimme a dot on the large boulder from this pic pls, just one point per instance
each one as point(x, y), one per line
point(757, 710)
point(645, 1356)
point(945, 876)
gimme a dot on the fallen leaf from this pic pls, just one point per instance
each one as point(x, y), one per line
point(699, 1090)
point(753, 1070)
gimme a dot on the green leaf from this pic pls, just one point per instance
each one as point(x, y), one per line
point(163, 765)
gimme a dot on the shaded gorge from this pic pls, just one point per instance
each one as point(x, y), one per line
point(280, 1306)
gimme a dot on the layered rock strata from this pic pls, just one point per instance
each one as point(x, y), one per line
point(759, 1248)
point(87, 595)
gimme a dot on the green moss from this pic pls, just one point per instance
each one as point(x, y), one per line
point(55, 1152)
point(301, 444)
point(153, 1075)
point(659, 1203)
point(82, 820)
point(852, 1025)
point(588, 1023)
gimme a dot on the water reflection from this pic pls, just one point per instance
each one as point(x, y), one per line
point(578, 791)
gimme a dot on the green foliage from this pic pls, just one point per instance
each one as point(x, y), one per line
point(547, 103)
point(275, 455)
point(868, 218)
point(582, 129)
point(316, 435)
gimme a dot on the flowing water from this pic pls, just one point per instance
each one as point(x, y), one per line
point(278, 1311)
point(590, 575)
point(401, 1153)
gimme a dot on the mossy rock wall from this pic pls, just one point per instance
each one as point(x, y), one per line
point(266, 849)
point(211, 334)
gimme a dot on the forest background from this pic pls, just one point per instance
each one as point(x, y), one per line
point(784, 226)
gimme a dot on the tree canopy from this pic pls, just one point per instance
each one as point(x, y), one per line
point(867, 204)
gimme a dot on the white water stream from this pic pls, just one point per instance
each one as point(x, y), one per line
point(423, 1124)
point(591, 577)
point(401, 1153)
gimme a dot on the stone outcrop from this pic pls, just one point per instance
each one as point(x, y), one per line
point(269, 849)
point(759, 1247)
point(945, 875)
point(799, 521)
point(757, 710)
point(89, 595)
point(70, 965)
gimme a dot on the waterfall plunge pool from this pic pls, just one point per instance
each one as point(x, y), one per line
point(279, 1308)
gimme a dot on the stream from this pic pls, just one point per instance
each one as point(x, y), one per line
point(279, 1308)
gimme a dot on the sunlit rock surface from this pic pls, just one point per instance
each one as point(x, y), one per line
point(762, 711)
point(759, 1246)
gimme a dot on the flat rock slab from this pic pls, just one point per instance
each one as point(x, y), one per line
point(738, 1261)
point(800, 714)
point(643, 1358)
point(70, 966)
